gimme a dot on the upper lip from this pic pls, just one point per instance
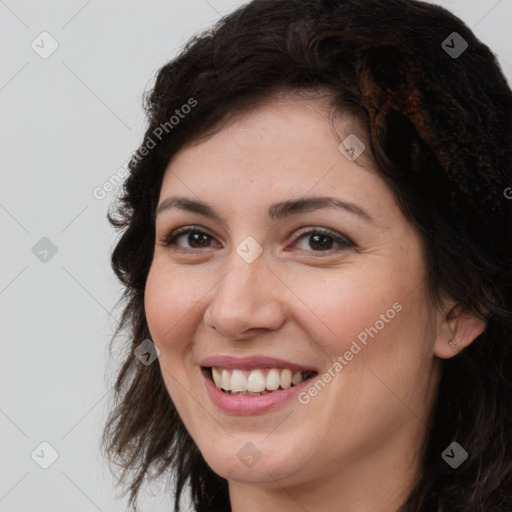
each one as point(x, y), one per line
point(253, 362)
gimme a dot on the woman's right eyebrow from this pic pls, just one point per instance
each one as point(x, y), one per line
point(276, 211)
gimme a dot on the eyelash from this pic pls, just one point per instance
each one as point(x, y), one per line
point(345, 243)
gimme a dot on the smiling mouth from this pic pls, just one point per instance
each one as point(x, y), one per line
point(256, 382)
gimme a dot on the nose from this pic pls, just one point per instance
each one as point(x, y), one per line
point(247, 299)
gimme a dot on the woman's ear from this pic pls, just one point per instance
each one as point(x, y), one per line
point(459, 329)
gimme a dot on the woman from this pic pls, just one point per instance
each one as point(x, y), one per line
point(317, 241)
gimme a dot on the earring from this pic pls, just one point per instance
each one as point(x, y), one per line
point(453, 343)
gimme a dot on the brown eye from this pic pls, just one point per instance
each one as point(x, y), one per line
point(196, 238)
point(324, 240)
point(320, 241)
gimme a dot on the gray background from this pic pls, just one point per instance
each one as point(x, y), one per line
point(69, 123)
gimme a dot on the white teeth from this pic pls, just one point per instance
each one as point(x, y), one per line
point(238, 381)
point(255, 382)
point(217, 377)
point(226, 380)
point(273, 379)
point(286, 379)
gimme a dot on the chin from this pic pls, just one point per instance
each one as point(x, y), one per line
point(250, 465)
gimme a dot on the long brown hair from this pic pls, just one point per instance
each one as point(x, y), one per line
point(439, 120)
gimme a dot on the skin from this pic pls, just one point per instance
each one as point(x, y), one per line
point(356, 445)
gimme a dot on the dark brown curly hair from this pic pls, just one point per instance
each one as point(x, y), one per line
point(440, 131)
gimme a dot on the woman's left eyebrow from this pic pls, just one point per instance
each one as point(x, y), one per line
point(275, 211)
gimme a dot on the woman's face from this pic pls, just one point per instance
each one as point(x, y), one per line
point(270, 270)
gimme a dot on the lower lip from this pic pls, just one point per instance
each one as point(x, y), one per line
point(247, 404)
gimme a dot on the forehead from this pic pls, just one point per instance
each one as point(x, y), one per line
point(281, 139)
point(285, 148)
point(288, 124)
point(283, 103)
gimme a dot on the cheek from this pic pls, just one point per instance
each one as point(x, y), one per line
point(343, 306)
point(376, 319)
point(170, 301)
